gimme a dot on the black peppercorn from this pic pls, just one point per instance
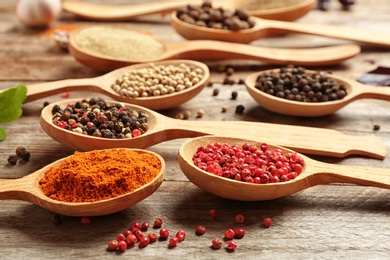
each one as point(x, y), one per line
point(215, 92)
point(240, 109)
point(12, 159)
point(234, 95)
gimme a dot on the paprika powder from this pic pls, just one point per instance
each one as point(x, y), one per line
point(100, 174)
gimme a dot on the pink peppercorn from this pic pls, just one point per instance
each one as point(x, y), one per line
point(173, 241)
point(131, 240)
point(164, 233)
point(85, 221)
point(181, 235)
point(213, 213)
point(229, 234)
point(239, 233)
point(239, 218)
point(112, 245)
point(122, 246)
point(200, 230)
point(121, 237)
point(145, 226)
point(152, 237)
point(267, 222)
point(157, 223)
point(144, 241)
point(135, 225)
point(231, 245)
point(216, 243)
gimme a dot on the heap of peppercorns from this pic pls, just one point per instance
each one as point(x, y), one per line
point(297, 84)
point(249, 163)
point(98, 118)
point(216, 18)
point(20, 153)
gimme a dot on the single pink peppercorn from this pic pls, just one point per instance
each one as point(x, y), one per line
point(239, 233)
point(112, 245)
point(131, 240)
point(173, 241)
point(229, 234)
point(145, 226)
point(144, 241)
point(200, 230)
point(157, 223)
point(231, 245)
point(267, 222)
point(216, 243)
point(122, 246)
point(127, 232)
point(213, 213)
point(181, 235)
point(138, 233)
point(239, 218)
point(85, 221)
point(152, 237)
point(164, 233)
point(121, 237)
point(135, 225)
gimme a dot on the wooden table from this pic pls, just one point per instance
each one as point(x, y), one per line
point(324, 222)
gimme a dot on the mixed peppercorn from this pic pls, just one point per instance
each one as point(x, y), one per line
point(216, 18)
point(249, 163)
point(20, 153)
point(297, 84)
point(96, 117)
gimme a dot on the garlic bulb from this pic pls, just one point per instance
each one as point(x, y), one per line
point(37, 13)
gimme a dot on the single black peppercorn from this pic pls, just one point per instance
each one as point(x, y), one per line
point(240, 109)
point(234, 95)
point(376, 127)
point(12, 159)
point(215, 92)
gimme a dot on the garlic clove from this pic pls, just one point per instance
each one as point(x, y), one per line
point(38, 13)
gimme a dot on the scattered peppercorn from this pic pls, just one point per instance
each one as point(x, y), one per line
point(213, 213)
point(200, 230)
point(241, 81)
point(376, 127)
point(85, 221)
point(12, 159)
point(239, 233)
point(240, 109)
point(298, 84)
point(234, 95)
point(215, 92)
point(216, 18)
point(112, 245)
point(164, 233)
point(239, 218)
point(181, 235)
point(224, 109)
point(173, 241)
point(200, 113)
point(122, 246)
point(179, 116)
point(186, 114)
point(267, 222)
point(152, 237)
point(145, 226)
point(46, 103)
point(229, 71)
point(144, 241)
point(22, 153)
point(229, 233)
point(231, 245)
point(216, 243)
point(157, 223)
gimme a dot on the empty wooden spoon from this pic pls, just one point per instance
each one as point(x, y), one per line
point(98, 12)
point(354, 89)
point(314, 173)
point(264, 28)
point(309, 140)
point(207, 49)
point(102, 84)
point(27, 189)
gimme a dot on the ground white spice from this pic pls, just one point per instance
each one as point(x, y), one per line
point(119, 43)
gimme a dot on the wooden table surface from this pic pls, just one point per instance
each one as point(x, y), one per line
point(324, 222)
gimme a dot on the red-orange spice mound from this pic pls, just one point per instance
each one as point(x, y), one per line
point(99, 175)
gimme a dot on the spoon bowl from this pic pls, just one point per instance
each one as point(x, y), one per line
point(98, 12)
point(264, 28)
point(27, 189)
point(162, 128)
point(354, 89)
point(209, 50)
point(314, 173)
point(102, 84)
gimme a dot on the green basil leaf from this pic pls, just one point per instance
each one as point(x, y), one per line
point(11, 103)
point(3, 135)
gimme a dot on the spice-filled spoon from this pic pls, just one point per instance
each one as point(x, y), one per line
point(161, 128)
point(207, 49)
point(28, 189)
point(97, 12)
point(263, 28)
point(314, 173)
point(354, 90)
point(102, 84)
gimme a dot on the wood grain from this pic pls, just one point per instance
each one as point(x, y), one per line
point(328, 221)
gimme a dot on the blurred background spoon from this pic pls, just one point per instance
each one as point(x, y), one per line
point(263, 28)
point(314, 173)
point(286, 11)
point(354, 89)
point(208, 49)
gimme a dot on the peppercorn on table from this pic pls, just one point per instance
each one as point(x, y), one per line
point(323, 222)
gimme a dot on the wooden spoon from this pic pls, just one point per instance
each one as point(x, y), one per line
point(98, 12)
point(314, 173)
point(27, 189)
point(207, 49)
point(355, 90)
point(102, 84)
point(310, 140)
point(264, 28)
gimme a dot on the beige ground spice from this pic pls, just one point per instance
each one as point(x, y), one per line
point(119, 43)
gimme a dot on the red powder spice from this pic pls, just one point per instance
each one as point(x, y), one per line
point(99, 175)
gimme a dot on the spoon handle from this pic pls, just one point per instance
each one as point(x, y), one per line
point(16, 188)
point(374, 92)
point(372, 38)
point(119, 12)
point(332, 173)
point(311, 140)
point(41, 90)
point(209, 49)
